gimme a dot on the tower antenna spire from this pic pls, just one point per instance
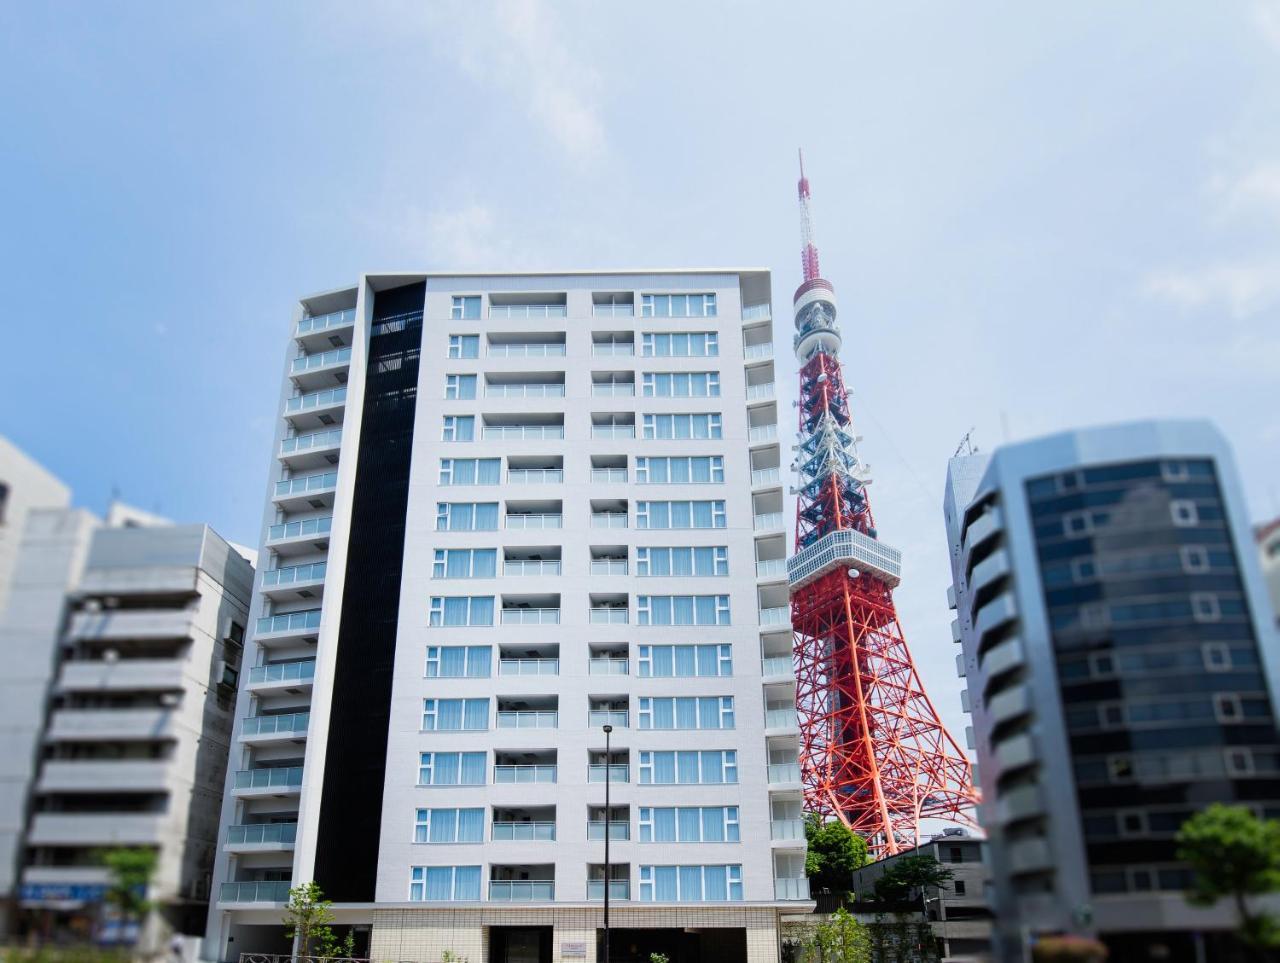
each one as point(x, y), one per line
point(809, 249)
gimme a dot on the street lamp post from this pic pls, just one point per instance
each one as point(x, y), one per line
point(608, 815)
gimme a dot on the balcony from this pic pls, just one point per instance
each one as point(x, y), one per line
point(610, 476)
point(311, 448)
point(110, 725)
point(531, 566)
point(528, 667)
point(277, 781)
point(772, 568)
point(97, 829)
point(611, 773)
point(770, 522)
point(530, 616)
point(291, 625)
point(310, 369)
point(608, 566)
point(613, 349)
point(307, 491)
point(307, 408)
point(762, 392)
point(103, 776)
point(286, 726)
point(527, 349)
point(778, 615)
point(781, 719)
point(301, 536)
point(528, 719)
point(326, 322)
point(613, 389)
point(608, 667)
point(784, 773)
point(777, 666)
point(123, 625)
point(288, 579)
point(607, 615)
point(522, 432)
point(506, 775)
point(618, 718)
point(613, 432)
point(535, 476)
point(522, 890)
point(761, 434)
point(536, 389)
point(618, 829)
point(261, 837)
point(791, 888)
point(786, 830)
point(758, 351)
point(254, 891)
point(618, 888)
point(756, 312)
point(524, 832)
point(613, 310)
point(522, 312)
point(608, 519)
point(766, 478)
point(535, 520)
point(282, 675)
point(122, 675)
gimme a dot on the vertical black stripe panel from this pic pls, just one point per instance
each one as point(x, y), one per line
point(355, 763)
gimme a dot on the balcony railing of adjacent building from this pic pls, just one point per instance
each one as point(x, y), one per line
point(776, 615)
point(524, 774)
point(766, 476)
point(791, 888)
point(777, 665)
point(524, 831)
point(618, 718)
point(322, 322)
point(607, 616)
point(283, 777)
point(613, 431)
point(262, 834)
point(617, 772)
point(292, 574)
point(761, 392)
point(285, 723)
point(254, 891)
point(613, 389)
point(535, 390)
point(307, 528)
point(535, 520)
point(329, 438)
point(753, 352)
point(522, 890)
point(324, 481)
point(324, 359)
point(608, 566)
point(763, 433)
point(518, 311)
point(613, 349)
point(528, 719)
point(283, 672)
point(613, 310)
point(316, 399)
point(535, 476)
point(605, 476)
point(608, 519)
point(771, 568)
point(618, 829)
point(609, 666)
point(531, 566)
point(528, 667)
point(523, 432)
point(756, 312)
point(516, 616)
point(780, 719)
point(618, 888)
point(289, 622)
point(784, 772)
point(535, 349)
point(784, 829)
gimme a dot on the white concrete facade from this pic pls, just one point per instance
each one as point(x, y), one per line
point(555, 382)
point(24, 485)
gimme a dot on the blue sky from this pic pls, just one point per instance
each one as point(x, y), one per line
point(1036, 216)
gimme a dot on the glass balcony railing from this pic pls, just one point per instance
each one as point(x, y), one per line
point(518, 311)
point(786, 829)
point(607, 616)
point(292, 574)
point(791, 888)
point(761, 392)
point(255, 891)
point(289, 722)
point(307, 483)
point(325, 359)
point(780, 719)
point(283, 672)
point(534, 520)
point(535, 476)
point(524, 391)
point(316, 399)
point(528, 719)
point(608, 519)
point(618, 718)
point(283, 777)
point(784, 772)
point(763, 433)
point(530, 566)
point(604, 476)
point(777, 665)
point(323, 322)
point(766, 476)
point(529, 667)
point(777, 615)
point(609, 667)
point(613, 431)
point(522, 432)
point(613, 389)
point(756, 312)
point(754, 351)
point(306, 528)
point(536, 349)
point(522, 890)
point(613, 310)
point(768, 520)
point(613, 349)
point(330, 438)
point(771, 567)
point(530, 616)
point(618, 829)
point(524, 832)
point(524, 774)
point(608, 566)
point(618, 772)
point(262, 834)
point(289, 622)
point(618, 888)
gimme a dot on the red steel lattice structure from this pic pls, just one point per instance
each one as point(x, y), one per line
point(873, 751)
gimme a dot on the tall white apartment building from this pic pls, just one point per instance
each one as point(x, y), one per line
point(25, 485)
point(505, 511)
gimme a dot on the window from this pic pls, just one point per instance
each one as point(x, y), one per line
point(682, 560)
point(690, 884)
point(1227, 707)
point(454, 715)
point(440, 883)
point(459, 428)
point(685, 661)
point(1195, 558)
point(682, 609)
point(1133, 823)
point(955, 854)
point(461, 610)
point(1217, 656)
point(689, 767)
point(1205, 607)
point(459, 387)
point(701, 514)
point(681, 384)
point(682, 427)
point(463, 346)
point(451, 768)
point(1239, 762)
point(470, 471)
point(700, 344)
point(1184, 513)
point(458, 661)
point(466, 516)
point(678, 305)
point(1077, 523)
point(466, 308)
point(465, 563)
point(449, 826)
point(686, 470)
point(958, 885)
point(686, 712)
point(689, 824)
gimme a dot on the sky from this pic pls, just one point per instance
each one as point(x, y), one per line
point(1037, 216)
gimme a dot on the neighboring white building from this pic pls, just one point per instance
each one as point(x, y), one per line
point(121, 647)
point(504, 511)
point(1269, 548)
point(24, 486)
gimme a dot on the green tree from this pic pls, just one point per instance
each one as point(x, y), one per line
point(911, 877)
point(131, 871)
point(1234, 855)
point(307, 920)
point(834, 854)
point(841, 939)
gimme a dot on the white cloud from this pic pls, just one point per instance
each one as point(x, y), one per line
point(1256, 189)
point(1267, 15)
point(1245, 288)
point(466, 237)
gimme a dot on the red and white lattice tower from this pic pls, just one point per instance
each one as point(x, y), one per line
point(872, 749)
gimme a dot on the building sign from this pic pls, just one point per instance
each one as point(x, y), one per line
point(61, 893)
point(575, 950)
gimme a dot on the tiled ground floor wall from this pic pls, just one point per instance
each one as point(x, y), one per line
point(423, 935)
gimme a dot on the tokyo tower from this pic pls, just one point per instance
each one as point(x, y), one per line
point(872, 750)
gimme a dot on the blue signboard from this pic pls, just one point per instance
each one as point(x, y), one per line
point(62, 892)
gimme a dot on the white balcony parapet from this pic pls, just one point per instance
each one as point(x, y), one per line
point(613, 310)
point(518, 616)
point(97, 775)
point(608, 519)
point(324, 359)
point(608, 566)
point(528, 719)
point(535, 520)
point(321, 482)
point(522, 890)
point(283, 672)
point(121, 674)
point(845, 548)
point(600, 476)
point(316, 399)
point(618, 829)
point(761, 392)
point(613, 389)
point(786, 829)
point(780, 719)
point(262, 834)
point(766, 476)
point(754, 352)
point(534, 390)
point(312, 440)
point(536, 349)
point(618, 718)
point(617, 772)
point(289, 722)
point(607, 616)
point(791, 887)
point(756, 312)
point(523, 432)
point(323, 322)
point(254, 891)
point(618, 888)
point(771, 567)
point(777, 665)
point(609, 666)
point(531, 566)
point(517, 311)
point(535, 476)
point(784, 773)
point(763, 433)
point(613, 431)
point(306, 528)
point(528, 667)
point(89, 829)
point(524, 774)
point(775, 615)
point(281, 777)
point(289, 622)
point(538, 831)
point(292, 574)
point(613, 349)
point(769, 520)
